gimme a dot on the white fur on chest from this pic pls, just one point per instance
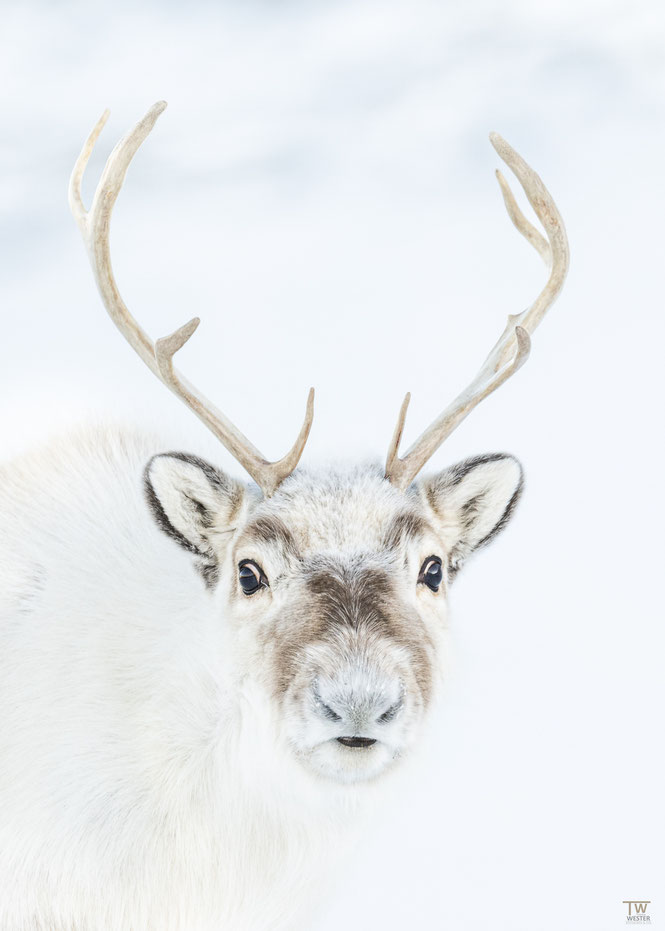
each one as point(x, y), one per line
point(140, 787)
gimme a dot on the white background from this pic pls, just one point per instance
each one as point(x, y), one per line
point(321, 192)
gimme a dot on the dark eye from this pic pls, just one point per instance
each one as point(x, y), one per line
point(431, 573)
point(251, 577)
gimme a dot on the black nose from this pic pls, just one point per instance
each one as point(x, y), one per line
point(356, 741)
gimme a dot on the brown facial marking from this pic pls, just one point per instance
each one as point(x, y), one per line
point(270, 529)
point(403, 527)
point(351, 602)
point(350, 597)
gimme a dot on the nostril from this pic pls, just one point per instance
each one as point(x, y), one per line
point(391, 713)
point(356, 741)
point(328, 711)
point(321, 706)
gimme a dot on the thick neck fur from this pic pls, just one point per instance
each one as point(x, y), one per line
point(175, 754)
point(161, 793)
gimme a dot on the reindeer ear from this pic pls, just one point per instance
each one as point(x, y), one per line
point(472, 501)
point(193, 502)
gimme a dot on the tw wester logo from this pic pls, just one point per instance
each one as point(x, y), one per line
point(637, 910)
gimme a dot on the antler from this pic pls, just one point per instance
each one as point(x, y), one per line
point(512, 348)
point(94, 226)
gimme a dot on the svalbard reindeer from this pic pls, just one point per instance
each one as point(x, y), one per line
point(203, 680)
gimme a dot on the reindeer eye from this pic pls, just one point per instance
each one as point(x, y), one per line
point(251, 577)
point(431, 573)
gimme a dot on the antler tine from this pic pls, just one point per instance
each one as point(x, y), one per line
point(95, 228)
point(528, 230)
point(512, 348)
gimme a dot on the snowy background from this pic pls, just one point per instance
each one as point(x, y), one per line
point(320, 191)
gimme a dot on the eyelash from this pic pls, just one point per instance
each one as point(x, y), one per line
point(426, 577)
point(255, 574)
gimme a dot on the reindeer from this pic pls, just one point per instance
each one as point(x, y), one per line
point(204, 680)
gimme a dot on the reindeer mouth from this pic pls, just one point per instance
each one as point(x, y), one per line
point(351, 759)
point(356, 741)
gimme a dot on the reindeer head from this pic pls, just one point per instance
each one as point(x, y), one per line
point(336, 589)
point(333, 585)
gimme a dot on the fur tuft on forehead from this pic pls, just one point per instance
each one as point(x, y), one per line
point(340, 509)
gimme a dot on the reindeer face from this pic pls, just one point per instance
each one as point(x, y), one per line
point(348, 599)
point(336, 589)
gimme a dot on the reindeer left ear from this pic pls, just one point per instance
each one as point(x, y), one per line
point(472, 501)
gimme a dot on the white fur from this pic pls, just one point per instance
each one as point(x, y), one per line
point(146, 778)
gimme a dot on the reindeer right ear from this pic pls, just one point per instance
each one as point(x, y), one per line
point(193, 502)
